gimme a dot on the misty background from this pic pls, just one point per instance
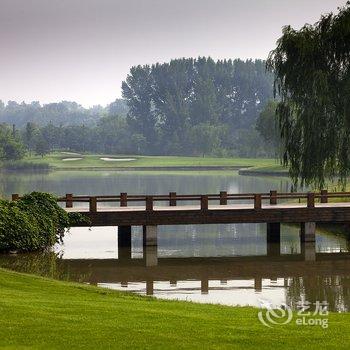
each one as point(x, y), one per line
point(82, 50)
point(152, 77)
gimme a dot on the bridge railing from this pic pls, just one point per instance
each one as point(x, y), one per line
point(222, 198)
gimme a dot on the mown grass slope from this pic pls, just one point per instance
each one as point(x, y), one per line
point(55, 160)
point(46, 314)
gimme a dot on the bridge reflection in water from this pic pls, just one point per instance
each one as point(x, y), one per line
point(285, 278)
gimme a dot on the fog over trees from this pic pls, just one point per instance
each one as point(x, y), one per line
point(185, 107)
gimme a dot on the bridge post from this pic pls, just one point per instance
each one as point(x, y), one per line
point(150, 235)
point(223, 198)
point(150, 255)
point(93, 205)
point(123, 199)
point(273, 197)
point(258, 284)
point(150, 243)
point(69, 200)
point(308, 240)
point(324, 196)
point(204, 202)
point(308, 251)
point(172, 199)
point(257, 201)
point(204, 286)
point(15, 197)
point(149, 203)
point(273, 238)
point(149, 287)
point(307, 232)
point(311, 200)
point(124, 242)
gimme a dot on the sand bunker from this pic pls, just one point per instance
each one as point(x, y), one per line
point(70, 159)
point(118, 159)
point(71, 153)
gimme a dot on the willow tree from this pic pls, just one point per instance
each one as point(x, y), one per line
point(312, 79)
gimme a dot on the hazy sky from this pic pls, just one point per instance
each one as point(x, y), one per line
point(81, 50)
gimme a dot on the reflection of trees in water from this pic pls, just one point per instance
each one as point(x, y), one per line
point(47, 264)
point(109, 182)
point(209, 240)
point(333, 289)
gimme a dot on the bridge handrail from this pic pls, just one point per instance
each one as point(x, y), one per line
point(223, 197)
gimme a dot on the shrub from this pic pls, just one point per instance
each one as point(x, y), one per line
point(34, 222)
point(24, 165)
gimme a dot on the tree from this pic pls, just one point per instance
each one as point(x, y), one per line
point(137, 90)
point(29, 135)
point(312, 70)
point(167, 99)
point(267, 126)
point(41, 146)
point(206, 138)
point(11, 147)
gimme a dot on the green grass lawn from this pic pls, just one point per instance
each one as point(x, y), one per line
point(55, 160)
point(275, 169)
point(46, 314)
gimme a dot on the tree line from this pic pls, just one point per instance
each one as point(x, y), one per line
point(61, 113)
point(194, 106)
point(184, 107)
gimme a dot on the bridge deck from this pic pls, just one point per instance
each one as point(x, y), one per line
point(232, 213)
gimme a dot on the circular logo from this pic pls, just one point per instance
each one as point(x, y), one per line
point(277, 316)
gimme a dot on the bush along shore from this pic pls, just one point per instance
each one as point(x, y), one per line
point(34, 222)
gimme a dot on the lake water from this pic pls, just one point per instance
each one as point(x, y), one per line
point(227, 264)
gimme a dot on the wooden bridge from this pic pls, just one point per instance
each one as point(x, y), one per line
point(256, 268)
point(272, 208)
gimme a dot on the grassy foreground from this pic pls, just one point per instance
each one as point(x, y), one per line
point(46, 314)
point(55, 160)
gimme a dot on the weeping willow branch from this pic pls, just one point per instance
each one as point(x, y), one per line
point(312, 79)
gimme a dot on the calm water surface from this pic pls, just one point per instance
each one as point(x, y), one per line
point(228, 264)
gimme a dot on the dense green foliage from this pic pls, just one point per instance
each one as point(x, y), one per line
point(268, 128)
point(185, 107)
point(47, 314)
point(174, 106)
point(34, 222)
point(61, 113)
point(11, 147)
point(312, 67)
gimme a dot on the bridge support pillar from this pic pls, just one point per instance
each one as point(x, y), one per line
point(124, 242)
point(150, 233)
point(273, 238)
point(204, 286)
point(258, 284)
point(308, 240)
point(150, 243)
point(149, 287)
point(307, 232)
point(150, 255)
point(308, 251)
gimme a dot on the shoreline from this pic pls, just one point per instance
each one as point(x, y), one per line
point(96, 317)
point(156, 168)
point(257, 172)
